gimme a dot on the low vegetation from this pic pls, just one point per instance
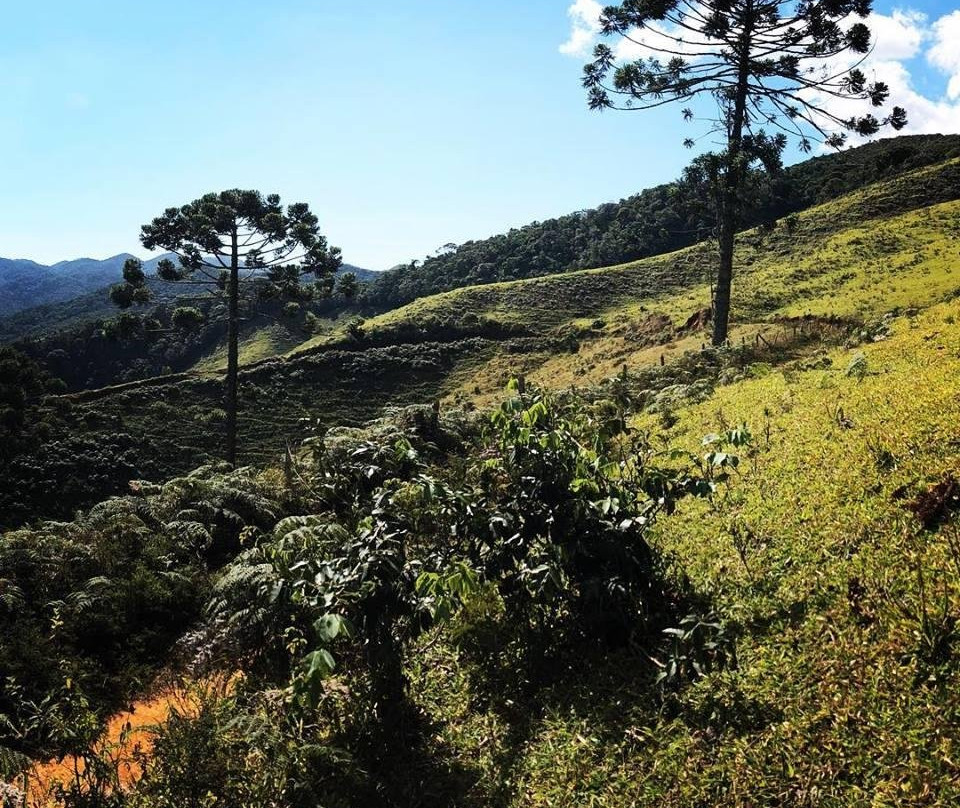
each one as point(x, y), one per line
point(791, 614)
point(536, 515)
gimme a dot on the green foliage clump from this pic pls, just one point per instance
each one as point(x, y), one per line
point(322, 588)
point(185, 317)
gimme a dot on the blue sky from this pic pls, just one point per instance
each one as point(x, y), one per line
point(405, 126)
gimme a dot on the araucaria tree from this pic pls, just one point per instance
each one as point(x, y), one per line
point(224, 241)
point(788, 65)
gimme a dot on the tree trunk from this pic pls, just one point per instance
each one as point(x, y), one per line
point(721, 297)
point(729, 213)
point(233, 294)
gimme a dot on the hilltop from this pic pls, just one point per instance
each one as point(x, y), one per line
point(658, 220)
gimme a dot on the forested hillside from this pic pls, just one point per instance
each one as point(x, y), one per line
point(88, 343)
point(657, 220)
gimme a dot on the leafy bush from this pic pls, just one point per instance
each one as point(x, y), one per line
point(327, 578)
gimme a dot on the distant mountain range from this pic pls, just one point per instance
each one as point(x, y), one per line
point(26, 284)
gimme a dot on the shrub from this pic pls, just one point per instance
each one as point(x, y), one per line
point(186, 317)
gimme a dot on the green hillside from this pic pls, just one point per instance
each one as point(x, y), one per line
point(892, 245)
point(88, 344)
point(814, 597)
point(842, 602)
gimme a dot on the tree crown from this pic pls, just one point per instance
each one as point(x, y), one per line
point(788, 58)
point(277, 245)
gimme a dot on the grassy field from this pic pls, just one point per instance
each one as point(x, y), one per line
point(889, 246)
point(841, 602)
point(263, 343)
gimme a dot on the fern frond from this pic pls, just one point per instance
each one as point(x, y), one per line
point(11, 595)
point(190, 534)
point(12, 763)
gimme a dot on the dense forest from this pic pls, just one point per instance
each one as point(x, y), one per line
point(87, 343)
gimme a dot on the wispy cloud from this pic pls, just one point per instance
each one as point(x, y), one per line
point(584, 28)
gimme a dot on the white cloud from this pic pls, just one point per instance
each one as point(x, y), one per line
point(585, 28)
point(899, 39)
point(585, 33)
point(925, 115)
point(945, 52)
point(898, 36)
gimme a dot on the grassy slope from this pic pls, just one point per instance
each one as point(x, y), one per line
point(856, 714)
point(677, 283)
point(257, 344)
point(888, 245)
point(838, 699)
point(845, 693)
point(821, 239)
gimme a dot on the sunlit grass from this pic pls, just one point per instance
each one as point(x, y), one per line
point(812, 553)
point(860, 256)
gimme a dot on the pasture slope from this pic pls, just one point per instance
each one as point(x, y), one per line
point(887, 247)
point(834, 558)
point(832, 555)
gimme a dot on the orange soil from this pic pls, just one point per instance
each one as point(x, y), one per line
point(125, 733)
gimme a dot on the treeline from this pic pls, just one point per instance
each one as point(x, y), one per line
point(657, 220)
point(169, 337)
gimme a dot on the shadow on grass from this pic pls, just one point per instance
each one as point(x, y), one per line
point(529, 679)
